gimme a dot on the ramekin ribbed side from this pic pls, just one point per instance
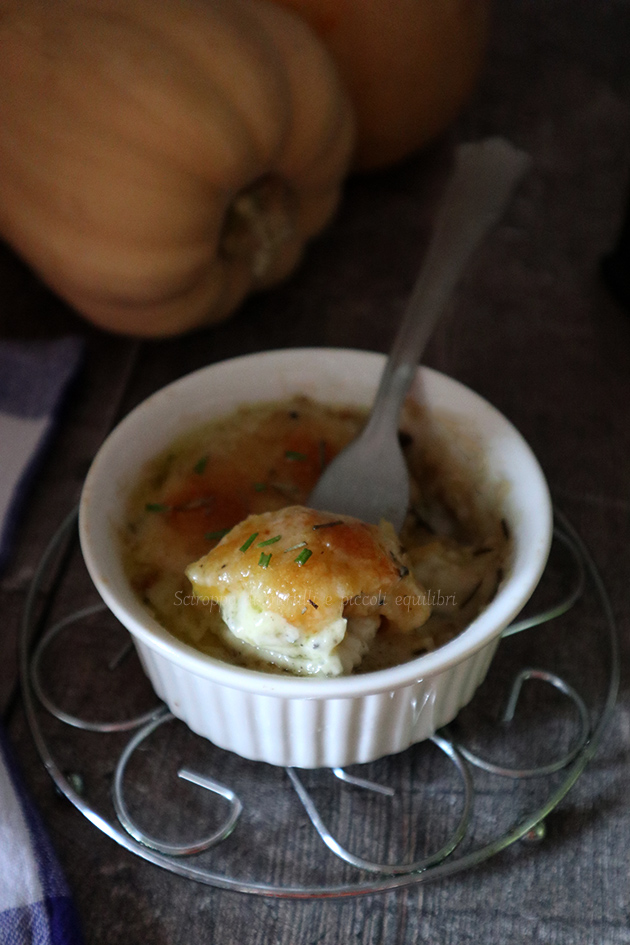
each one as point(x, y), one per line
point(314, 733)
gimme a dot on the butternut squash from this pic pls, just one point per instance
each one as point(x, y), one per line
point(409, 65)
point(160, 159)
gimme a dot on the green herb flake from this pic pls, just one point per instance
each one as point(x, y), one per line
point(250, 541)
point(215, 536)
point(263, 561)
point(294, 456)
point(157, 507)
point(200, 465)
point(260, 486)
point(303, 557)
point(269, 541)
point(327, 525)
point(300, 544)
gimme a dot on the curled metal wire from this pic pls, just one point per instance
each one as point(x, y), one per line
point(388, 869)
point(508, 715)
point(74, 720)
point(570, 540)
point(162, 846)
point(343, 775)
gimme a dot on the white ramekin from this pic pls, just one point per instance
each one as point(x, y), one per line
point(285, 720)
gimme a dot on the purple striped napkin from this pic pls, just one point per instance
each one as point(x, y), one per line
point(34, 377)
point(35, 904)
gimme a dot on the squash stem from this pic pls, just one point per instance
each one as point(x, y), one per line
point(259, 221)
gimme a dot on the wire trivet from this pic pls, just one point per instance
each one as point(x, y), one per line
point(235, 843)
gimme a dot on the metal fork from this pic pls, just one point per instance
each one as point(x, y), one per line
point(369, 478)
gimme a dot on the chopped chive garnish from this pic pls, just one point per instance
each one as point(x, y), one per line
point(269, 541)
point(328, 524)
point(213, 536)
point(252, 538)
point(200, 465)
point(264, 559)
point(300, 544)
point(156, 507)
point(303, 557)
point(260, 486)
point(292, 454)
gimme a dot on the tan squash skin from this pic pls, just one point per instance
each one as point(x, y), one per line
point(160, 159)
point(409, 65)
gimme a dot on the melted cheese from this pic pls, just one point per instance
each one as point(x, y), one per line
point(306, 590)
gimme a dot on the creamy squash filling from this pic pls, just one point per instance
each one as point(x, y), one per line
point(280, 588)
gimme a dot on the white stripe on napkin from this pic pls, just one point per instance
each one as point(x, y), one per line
point(19, 439)
point(20, 885)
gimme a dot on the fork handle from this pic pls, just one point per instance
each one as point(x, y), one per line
point(484, 177)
